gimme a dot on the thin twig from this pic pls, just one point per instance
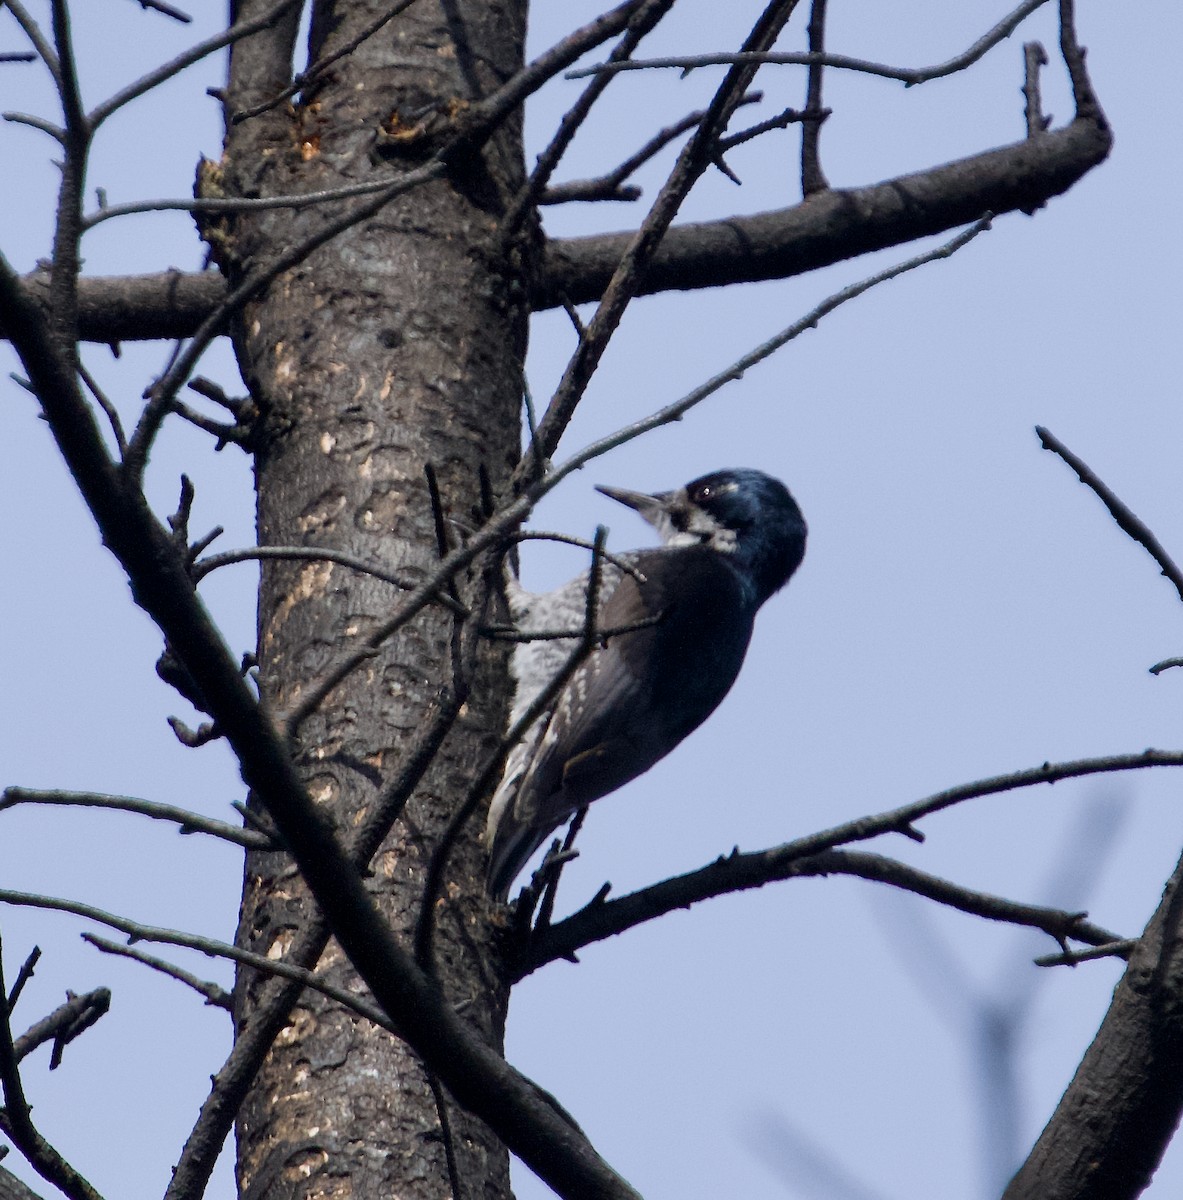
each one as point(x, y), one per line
point(293, 200)
point(189, 822)
point(1122, 948)
point(789, 116)
point(55, 131)
point(303, 78)
point(441, 1109)
point(1034, 57)
point(316, 554)
point(1057, 923)
point(440, 525)
point(603, 189)
point(1165, 665)
point(194, 54)
point(608, 185)
point(63, 1025)
point(1126, 520)
point(166, 9)
point(527, 899)
point(215, 995)
point(541, 465)
point(239, 407)
point(1088, 107)
point(910, 76)
point(902, 820)
point(813, 178)
point(439, 517)
point(511, 633)
point(65, 262)
point(211, 947)
point(109, 409)
point(223, 432)
point(566, 539)
point(566, 852)
point(38, 39)
point(23, 977)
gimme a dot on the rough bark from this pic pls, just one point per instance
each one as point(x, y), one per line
point(365, 369)
point(1113, 1124)
point(12, 1188)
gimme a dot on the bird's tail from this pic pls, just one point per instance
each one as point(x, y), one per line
point(511, 849)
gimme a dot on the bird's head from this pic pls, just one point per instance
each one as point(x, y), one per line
point(740, 512)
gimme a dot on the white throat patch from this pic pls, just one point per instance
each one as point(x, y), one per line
point(701, 528)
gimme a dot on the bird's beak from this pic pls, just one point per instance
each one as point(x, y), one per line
point(652, 508)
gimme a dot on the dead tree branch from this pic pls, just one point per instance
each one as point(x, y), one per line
point(813, 178)
point(63, 1025)
point(18, 1119)
point(909, 76)
point(1114, 1122)
point(696, 156)
point(1127, 521)
point(215, 995)
point(740, 872)
point(834, 227)
point(188, 822)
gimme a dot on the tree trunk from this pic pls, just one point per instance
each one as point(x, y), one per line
point(397, 344)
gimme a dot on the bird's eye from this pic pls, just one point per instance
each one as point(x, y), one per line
point(703, 492)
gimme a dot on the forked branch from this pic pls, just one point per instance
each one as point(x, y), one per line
point(811, 855)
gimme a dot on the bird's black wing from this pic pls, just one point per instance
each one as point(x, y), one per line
point(636, 696)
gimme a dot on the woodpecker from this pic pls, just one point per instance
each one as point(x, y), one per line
point(729, 541)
